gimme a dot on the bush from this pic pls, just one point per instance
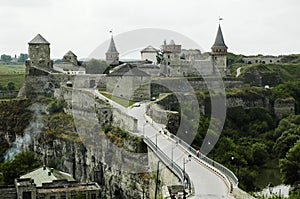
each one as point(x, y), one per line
point(55, 106)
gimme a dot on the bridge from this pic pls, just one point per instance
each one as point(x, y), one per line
point(207, 179)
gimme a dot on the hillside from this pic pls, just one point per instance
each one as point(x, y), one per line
point(11, 73)
point(288, 69)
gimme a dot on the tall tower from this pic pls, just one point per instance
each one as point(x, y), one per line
point(39, 52)
point(219, 53)
point(112, 55)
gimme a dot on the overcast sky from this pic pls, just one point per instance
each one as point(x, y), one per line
point(249, 26)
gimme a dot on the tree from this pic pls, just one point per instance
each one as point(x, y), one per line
point(11, 86)
point(22, 163)
point(259, 153)
point(290, 165)
point(95, 66)
point(5, 58)
point(288, 132)
point(288, 89)
point(23, 57)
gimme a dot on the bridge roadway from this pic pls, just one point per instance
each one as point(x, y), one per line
point(206, 183)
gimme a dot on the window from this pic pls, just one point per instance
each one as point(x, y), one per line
point(93, 196)
point(52, 197)
point(63, 197)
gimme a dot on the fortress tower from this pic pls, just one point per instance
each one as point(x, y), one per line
point(112, 55)
point(219, 53)
point(39, 53)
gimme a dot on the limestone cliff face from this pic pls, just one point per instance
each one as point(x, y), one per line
point(72, 157)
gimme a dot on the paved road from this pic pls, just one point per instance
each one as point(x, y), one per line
point(206, 184)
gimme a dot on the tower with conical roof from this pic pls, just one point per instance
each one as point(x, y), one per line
point(39, 52)
point(112, 55)
point(219, 53)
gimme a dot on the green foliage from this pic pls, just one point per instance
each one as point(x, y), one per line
point(14, 118)
point(287, 133)
point(23, 57)
point(21, 164)
point(95, 66)
point(55, 106)
point(287, 72)
point(6, 58)
point(59, 126)
point(246, 137)
point(294, 192)
point(11, 86)
point(233, 59)
point(121, 138)
point(290, 165)
point(11, 73)
point(288, 89)
point(259, 153)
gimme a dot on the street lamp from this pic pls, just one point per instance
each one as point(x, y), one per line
point(144, 128)
point(238, 165)
point(172, 152)
point(185, 183)
point(212, 153)
point(156, 139)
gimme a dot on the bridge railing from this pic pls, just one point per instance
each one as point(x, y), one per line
point(167, 161)
point(209, 161)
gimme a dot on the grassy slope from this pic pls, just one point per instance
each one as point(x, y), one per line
point(289, 71)
point(12, 73)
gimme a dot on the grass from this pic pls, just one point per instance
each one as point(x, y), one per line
point(286, 71)
point(121, 101)
point(12, 73)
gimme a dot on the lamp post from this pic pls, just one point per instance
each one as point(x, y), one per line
point(172, 152)
point(156, 135)
point(185, 183)
point(212, 153)
point(238, 165)
point(156, 141)
point(144, 128)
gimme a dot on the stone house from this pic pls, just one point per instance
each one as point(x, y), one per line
point(149, 54)
point(48, 183)
point(128, 82)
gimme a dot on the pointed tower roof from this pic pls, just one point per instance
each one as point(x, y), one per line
point(39, 40)
point(219, 42)
point(149, 49)
point(70, 53)
point(112, 47)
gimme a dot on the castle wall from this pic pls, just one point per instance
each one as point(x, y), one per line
point(284, 107)
point(188, 85)
point(159, 114)
point(133, 88)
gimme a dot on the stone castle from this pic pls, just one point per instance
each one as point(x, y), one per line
point(130, 80)
point(42, 75)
